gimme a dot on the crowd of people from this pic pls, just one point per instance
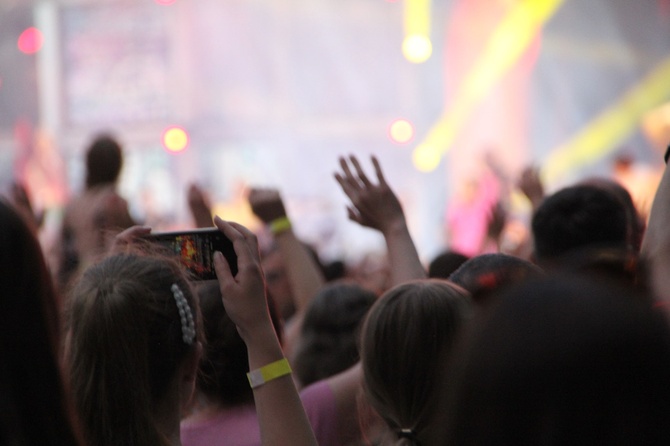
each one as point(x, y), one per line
point(564, 341)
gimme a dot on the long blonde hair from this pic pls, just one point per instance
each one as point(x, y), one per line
point(406, 336)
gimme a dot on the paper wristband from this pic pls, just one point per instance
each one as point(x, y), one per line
point(269, 372)
point(279, 225)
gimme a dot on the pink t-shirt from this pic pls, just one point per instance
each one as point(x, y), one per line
point(468, 221)
point(239, 426)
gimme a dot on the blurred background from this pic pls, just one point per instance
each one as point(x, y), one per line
point(231, 94)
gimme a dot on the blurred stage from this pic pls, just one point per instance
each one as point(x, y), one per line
point(271, 92)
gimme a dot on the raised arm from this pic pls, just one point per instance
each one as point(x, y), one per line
point(530, 184)
point(376, 206)
point(655, 248)
point(200, 207)
point(280, 413)
point(303, 273)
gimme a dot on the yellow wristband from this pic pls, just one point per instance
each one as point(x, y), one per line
point(269, 372)
point(279, 225)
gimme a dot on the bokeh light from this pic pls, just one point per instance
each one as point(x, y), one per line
point(164, 2)
point(401, 131)
point(30, 41)
point(175, 139)
point(417, 48)
point(426, 158)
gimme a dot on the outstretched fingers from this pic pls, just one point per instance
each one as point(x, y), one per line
point(344, 164)
point(378, 170)
point(353, 180)
point(362, 177)
point(350, 186)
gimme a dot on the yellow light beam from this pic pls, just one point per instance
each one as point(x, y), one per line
point(505, 46)
point(609, 129)
point(416, 46)
point(417, 17)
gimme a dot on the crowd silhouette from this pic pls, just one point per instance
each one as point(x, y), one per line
point(563, 340)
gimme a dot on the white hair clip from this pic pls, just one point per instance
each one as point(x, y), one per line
point(187, 322)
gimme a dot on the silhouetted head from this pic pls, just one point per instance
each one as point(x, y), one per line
point(636, 224)
point(104, 159)
point(330, 331)
point(577, 217)
point(487, 274)
point(445, 263)
point(561, 360)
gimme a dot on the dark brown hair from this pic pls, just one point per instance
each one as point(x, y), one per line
point(578, 217)
point(562, 360)
point(222, 376)
point(126, 345)
point(330, 331)
point(33, 406)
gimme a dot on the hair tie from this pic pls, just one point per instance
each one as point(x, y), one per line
point(409, 434)
point(187, 322)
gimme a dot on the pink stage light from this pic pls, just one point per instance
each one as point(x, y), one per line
point(175, 139)
point(164, 2)
point(30, 41)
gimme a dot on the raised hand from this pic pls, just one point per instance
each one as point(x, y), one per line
point(281, 416)
point(200, 207)
point(530, 185)
point(129, 240)
point(244, 293)
point(376, 206)
point(304, 275)
point(267, 204)
point(497, 220)
point(373, 205)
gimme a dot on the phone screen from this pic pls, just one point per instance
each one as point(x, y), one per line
point(195, 250)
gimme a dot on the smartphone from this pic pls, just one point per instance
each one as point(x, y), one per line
point(195, 249)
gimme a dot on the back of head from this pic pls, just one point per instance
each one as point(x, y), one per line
point(406, 336)
point(222, 376)
point(445, 263)
point(31, 392)
point(564, 360)
point(104, 159)
point(636, 224)
point(487, 274)
point(132, 322)
point(329, 338)
point(578, 217)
